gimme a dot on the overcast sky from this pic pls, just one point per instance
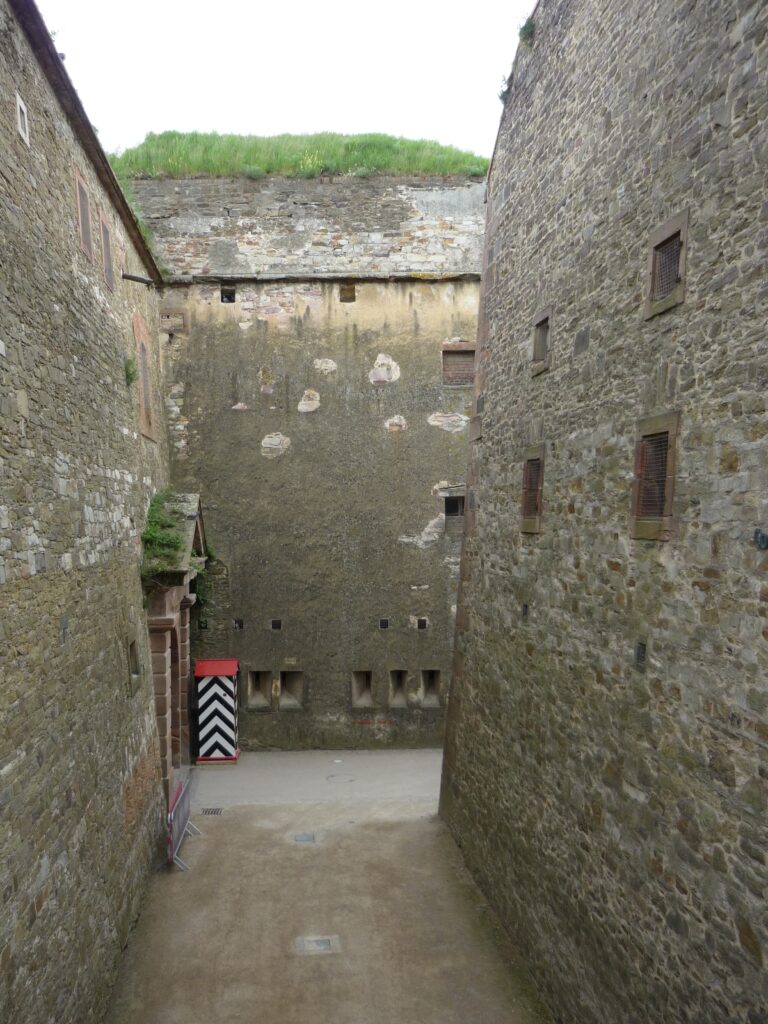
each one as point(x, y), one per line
point(418, 68)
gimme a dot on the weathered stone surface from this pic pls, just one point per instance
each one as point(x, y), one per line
point(616, 817)
point(341, 226)
point(80, 797)
point(312, 489)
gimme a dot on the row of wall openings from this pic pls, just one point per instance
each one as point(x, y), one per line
point(426, 693)
point(421, 623)
point(652, 487)
point(270, 690)
point(664, 287)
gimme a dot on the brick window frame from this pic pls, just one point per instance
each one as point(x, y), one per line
point(675, 227)
point(531, 503)
point(656, 526)
point(84, 222)
point(541, 341)
point(144, 380)
point(22, 119)
point(106, 252)
point(458, 375)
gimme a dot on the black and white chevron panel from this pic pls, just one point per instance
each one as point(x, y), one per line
point(217, 718)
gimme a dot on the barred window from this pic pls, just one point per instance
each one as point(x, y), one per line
point(533, 483)
point(666, 267)
point(652, 492)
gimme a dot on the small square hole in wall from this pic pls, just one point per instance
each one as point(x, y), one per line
point(276, 624)
point(347, 293)
point(22, 118)
point(430, 688)
point(228, 293)
point(237, 623)
point(383, 623)
point(258, 689)
point(422, 623)
point(398, 680)
point(362, 693)
point(291, 689)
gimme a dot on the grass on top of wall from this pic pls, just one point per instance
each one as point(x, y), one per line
point(185, 154)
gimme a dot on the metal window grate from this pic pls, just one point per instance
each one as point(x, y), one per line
point(641, 655)
point(211, 811)
point(666, 267)
point(541, 341)
point(532, 488)
point(652, 476)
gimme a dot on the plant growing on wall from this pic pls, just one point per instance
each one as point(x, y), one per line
point(527, 32)
point(131, 371)
point(161, 537)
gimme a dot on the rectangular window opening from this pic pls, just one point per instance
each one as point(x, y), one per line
point(259, 689)
point(430, 688)
point(454, 505)
point(533, 482)
point(398, 683)
point(458, 367)
point(84, 217)
point(22, 118)
point(641, 655)
point(291, 689)
point(422, 623)
point(652, 490)
point(541, 340)
point(228, 293)
point(276, 624)
point(666, 267)
point(347, 293)
point(106, 248)
point(362, 692)
point(383, 623)
point(652, 476)
point(146, 395)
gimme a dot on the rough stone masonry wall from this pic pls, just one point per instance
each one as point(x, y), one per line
point(340, 226)
point(320, 497)
point(617, 818)
point(80, 799)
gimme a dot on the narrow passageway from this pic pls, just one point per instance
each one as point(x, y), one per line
point(325, 890)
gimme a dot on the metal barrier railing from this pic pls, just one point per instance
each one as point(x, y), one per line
point(179, 825)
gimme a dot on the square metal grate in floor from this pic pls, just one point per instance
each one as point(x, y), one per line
point(211, 810)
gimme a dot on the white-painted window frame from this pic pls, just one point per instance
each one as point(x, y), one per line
point(22, 119)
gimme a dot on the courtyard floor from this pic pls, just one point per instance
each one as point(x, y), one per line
point(327, 891)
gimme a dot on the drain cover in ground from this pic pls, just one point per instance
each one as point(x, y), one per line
point(304, 837)
point(340, 778)
point(311, 945)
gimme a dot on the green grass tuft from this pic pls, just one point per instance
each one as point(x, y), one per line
point(185, 154)
point(161, 537)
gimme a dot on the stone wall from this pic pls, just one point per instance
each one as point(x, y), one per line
point(322, 438)
point(80, 796)
point(332, 227)
point(611, 799)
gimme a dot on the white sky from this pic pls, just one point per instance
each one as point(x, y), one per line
point(419, 68)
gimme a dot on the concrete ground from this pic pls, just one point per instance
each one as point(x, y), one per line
point(376, 921)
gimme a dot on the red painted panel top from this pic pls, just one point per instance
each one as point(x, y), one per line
point(216, 667)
